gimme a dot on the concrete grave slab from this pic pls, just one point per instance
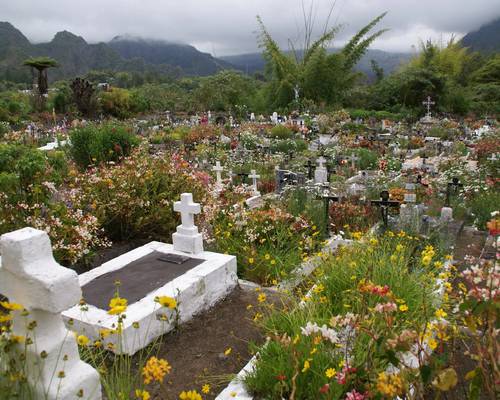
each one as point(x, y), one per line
point(196, 289)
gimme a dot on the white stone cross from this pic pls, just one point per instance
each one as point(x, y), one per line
point(218, 170)
point(493, 157)
point(187, 238)
point(31, 277)
point(428, 103)
point(188, 209)
point(254, 176)
point(321, 161)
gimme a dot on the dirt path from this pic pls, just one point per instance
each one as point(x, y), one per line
point(196, 350)
point(469, 243)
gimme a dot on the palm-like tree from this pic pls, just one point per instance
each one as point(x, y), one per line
point(41, 64)
point(312, 71)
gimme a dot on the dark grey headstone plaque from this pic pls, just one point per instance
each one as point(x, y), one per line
point(138, 278)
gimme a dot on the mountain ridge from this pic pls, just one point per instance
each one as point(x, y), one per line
point(486, 39)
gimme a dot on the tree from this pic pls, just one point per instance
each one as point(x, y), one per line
point(41, 64)
point(84, 96)
point(313, 72)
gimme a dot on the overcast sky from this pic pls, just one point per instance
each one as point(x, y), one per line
point(224, 27)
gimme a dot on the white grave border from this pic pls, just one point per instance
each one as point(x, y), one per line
point(195, 291)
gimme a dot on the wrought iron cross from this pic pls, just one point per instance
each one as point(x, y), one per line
point(454, 185)
point(384, 203)
point(327, 199)
point(310, 169)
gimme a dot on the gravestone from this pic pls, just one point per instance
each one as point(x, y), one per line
point(217, 168)
point(29, 275)
point(196, 279)
point(321, 173)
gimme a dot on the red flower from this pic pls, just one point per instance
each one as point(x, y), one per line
point(325, 388)
point(281, 377)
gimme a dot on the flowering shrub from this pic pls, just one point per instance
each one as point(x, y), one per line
point(74, 234)
point(199, 133)
point(135, 198)
point(352, 217)
point(353, 334)
point(479, 298)
point(487, 146)
point(270, 243)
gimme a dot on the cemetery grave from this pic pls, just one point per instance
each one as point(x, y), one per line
point(221, 255)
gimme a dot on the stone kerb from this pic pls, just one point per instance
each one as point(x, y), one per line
point(30, 276)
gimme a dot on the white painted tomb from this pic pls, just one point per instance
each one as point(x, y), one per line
point(30, 276)
point(195, 290)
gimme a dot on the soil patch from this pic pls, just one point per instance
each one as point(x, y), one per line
point(196, 349)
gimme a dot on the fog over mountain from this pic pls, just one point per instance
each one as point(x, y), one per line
point(227, 27)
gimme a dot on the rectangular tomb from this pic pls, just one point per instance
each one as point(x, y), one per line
point(156, 269)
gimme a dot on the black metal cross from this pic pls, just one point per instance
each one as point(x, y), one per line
point(384, 203)
point(331, 170)
point(327, 198)
point(310, 169)
point(452, 186)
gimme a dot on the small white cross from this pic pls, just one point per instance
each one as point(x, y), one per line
point(321, 161)
point(428, 103)
point(353, 160)
point(188, 209)
point(493, 157)
point(254, 176)
point(218, 169)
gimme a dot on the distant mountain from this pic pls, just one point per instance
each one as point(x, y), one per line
point(77, 57)
point(192, 61)
point(254, 62)
point(486, 39)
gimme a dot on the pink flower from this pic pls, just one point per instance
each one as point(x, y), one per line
point(354, 395)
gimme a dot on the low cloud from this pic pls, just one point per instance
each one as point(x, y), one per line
point(224, 27)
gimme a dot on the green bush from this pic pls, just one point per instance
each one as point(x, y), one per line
point(9, 153)
point(9, 182)
point(368, 159)
point(288, 145)
point(59, 164)
point(31, 167)
point(481, 207)
point(116, 102)
point(281, 132)
point(94, 144)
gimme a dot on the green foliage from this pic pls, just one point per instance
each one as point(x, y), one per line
point(482, 205)
point(299, 202)
point(116, 102)
point(318, 75)
point(280, 132)
point(95, 144)
point(224, 91)
point(288, 146)
point(368, 159)
point(273, 242)
point(31, 167)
